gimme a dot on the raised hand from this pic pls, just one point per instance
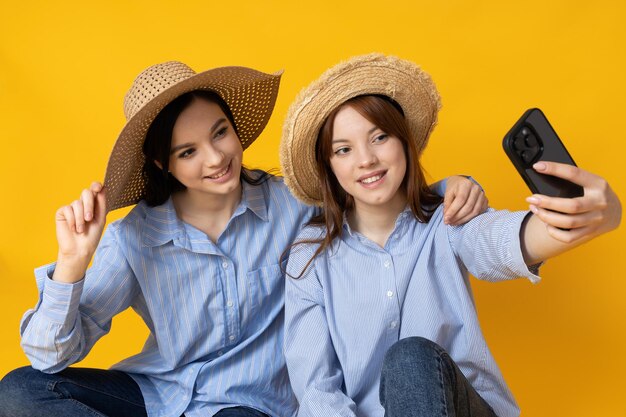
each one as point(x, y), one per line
point(79, 227)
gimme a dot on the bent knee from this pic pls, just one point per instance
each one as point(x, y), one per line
point(412, 349)
point(20, 389)
point(414, 353)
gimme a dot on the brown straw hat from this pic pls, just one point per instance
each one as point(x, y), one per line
point(400, 80)
point(249, 94)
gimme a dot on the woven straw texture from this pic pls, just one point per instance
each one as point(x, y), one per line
point(249, 94)
point(401, 80)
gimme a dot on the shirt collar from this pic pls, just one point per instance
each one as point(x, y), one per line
point(163, 225)
point(400, 221)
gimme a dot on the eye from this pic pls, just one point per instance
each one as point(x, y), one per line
point(221, 132)
point(186, 153)
point(380, 138)
point(342, 151)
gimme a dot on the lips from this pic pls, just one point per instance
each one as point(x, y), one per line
point(221, 173)
point(372, 177)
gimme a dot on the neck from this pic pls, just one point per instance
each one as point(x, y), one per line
point(376, 222)
point(208, 213)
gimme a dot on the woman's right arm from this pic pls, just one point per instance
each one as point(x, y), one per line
point(314, 370)
point(73, 313)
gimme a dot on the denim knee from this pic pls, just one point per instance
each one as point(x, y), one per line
point(21, 389)
point(417, 356)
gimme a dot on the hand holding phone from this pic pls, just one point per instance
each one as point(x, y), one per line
point(532, 139)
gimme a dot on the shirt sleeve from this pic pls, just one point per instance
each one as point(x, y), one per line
point(69, 318)
point(489, 246)
point(314, 370)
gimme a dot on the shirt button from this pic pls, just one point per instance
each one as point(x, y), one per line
point(389, 294)
point(225, 264)
point(220, 353)
point(394, 324)
point(231, 337)
point(229, 303)
point(387, 264)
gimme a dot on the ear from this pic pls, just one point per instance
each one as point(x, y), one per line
point(157, 163)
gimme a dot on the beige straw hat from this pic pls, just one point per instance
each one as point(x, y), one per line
point(401, 80)
point(249, 94)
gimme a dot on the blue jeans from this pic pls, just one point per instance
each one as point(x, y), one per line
point(420, 379)
point(81, 392)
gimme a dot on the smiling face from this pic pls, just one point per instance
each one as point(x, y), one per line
point(369, 164)
point(205, 154)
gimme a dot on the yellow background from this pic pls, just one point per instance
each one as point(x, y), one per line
point(65, 66)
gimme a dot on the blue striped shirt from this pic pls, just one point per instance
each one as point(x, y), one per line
point(214, 311)
point(357, 299)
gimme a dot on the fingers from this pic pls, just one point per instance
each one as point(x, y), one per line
point(66, 215)
point(453, 201)
point(91, 205)
point(563, 205)
point(569, 172)
point(88, 198)
point(569, 236)
point(463, 202)
point(100, 209)
point(473, 207)
point(567, 221)
point(79, 215)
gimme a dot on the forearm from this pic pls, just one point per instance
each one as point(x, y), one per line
point(52, 332)
point(70, 269)
point(538, 245)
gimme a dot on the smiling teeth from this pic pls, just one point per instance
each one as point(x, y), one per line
point(371, 179)
point(219, 175)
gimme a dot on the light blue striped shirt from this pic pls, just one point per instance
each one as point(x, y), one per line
point(214, 311)
point(357, 299)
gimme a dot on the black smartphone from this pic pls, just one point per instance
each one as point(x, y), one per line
point(532, 139)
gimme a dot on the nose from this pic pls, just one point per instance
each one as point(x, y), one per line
point(213, 157)
point(367, 157)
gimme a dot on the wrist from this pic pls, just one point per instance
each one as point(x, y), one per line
point(70, 269)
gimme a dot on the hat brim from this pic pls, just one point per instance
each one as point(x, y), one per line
point(250, 95)
point(375, 74)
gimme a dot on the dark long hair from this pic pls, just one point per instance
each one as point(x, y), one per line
point(388, 116)
point(160, 184)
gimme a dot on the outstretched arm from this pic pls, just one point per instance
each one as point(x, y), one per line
point(560, 224)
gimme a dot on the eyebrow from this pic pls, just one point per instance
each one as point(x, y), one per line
point(189, 144)
point(369, 132)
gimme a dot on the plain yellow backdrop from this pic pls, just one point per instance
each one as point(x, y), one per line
point(65, 66)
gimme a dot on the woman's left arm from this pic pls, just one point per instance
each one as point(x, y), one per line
point(560, 224)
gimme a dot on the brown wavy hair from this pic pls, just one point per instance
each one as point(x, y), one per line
point(388, 116)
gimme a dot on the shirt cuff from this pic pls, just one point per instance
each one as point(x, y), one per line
point(59, 301)
point(515, 258)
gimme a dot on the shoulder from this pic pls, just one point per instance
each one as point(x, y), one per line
point(278, 197)
point(142, 217)
point(304, 248)
point(136, 216)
